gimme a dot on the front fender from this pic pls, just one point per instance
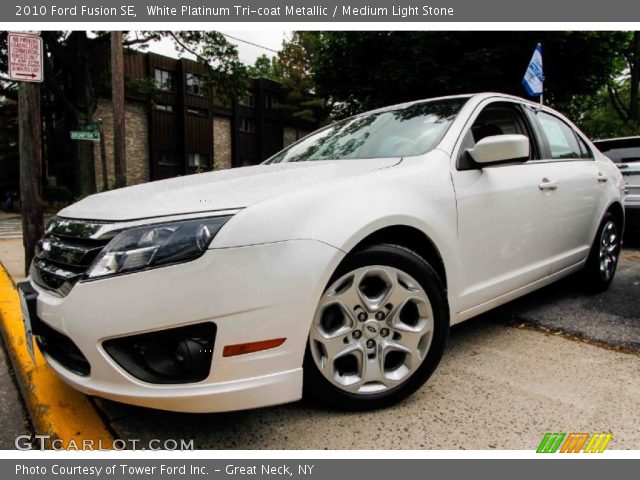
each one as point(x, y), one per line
point(417, 193)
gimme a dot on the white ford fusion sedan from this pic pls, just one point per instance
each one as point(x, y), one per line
point(334, 269)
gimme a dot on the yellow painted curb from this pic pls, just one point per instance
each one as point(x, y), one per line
point(55, 408)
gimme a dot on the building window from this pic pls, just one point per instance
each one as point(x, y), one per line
point(196, 85)
point(167, 158)
point(162, 107)
point(164, 80)
point(270, 101)
point(201, 112)
point(248, 99)
point(247, 125)
point(198, 160)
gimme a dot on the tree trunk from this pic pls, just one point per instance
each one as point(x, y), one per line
point(30, 168)
point(634, 66)
point(117, 96)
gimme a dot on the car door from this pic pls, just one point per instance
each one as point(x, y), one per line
point(506, 224)
point(581, 189)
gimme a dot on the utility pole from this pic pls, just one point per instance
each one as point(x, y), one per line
point(117, 97)
point(30, 139)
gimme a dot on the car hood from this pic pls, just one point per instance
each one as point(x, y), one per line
point(220, 190)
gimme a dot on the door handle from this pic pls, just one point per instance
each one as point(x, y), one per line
point(602, 178)
point(547, 184)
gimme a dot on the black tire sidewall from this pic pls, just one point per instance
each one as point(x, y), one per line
point(593, 276)
point(317, 387)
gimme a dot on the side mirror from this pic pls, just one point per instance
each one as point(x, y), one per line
point(500, 148)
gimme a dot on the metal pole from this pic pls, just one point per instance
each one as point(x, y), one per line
point(103, 159)
point(117, 93)
point(30, 139)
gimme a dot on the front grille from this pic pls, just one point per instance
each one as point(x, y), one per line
point(66, 251)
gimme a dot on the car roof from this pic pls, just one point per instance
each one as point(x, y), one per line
point(618, 139)
point(620, 142)
point(476, 96)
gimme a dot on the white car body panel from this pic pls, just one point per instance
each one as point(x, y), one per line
point(244, 290)
point(498, 234)
point(214, 191)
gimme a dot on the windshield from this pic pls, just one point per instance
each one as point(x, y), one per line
point(404, 132)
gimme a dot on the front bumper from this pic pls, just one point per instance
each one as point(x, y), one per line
point(251, 293)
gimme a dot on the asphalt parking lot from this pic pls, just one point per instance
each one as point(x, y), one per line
point(557, 360)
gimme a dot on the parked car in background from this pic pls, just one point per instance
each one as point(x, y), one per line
point(625, 153)
point(335, 268)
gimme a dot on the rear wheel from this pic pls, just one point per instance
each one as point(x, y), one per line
point(379, 330)
point(605, 252)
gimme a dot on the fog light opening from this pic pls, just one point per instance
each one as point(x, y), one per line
point(176, 355)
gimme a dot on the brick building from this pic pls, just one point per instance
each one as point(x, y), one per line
point(184, 129)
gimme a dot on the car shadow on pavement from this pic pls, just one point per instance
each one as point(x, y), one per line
point(610, 318)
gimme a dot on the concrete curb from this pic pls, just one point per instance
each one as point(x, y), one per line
point(55, 408)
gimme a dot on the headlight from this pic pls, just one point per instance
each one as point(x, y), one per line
point(156, 245)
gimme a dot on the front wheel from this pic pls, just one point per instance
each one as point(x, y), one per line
point(379, 330)
point(605, 252)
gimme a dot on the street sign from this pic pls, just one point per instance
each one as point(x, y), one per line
point(25, 58)
point(92, 136)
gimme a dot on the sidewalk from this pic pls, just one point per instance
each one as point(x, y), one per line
point(9, 216)
point(12, 258)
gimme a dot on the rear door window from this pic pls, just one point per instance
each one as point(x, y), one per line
point(560, 137)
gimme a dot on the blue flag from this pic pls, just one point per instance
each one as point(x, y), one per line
point(532, 80)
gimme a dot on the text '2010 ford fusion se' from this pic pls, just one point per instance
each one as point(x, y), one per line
point(334, 269)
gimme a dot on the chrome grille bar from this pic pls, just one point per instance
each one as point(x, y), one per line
point(67, 251)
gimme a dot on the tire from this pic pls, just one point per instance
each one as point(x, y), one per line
point(603, 257)
point(396, 351)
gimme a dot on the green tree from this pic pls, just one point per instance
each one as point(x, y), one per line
point(73, 72)
point(601, 119)
point(364, 70)
point(297, 61)
point(624, 91)
point(267, 67)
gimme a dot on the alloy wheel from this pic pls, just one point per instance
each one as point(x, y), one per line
point(609, 250)
point(372, 330)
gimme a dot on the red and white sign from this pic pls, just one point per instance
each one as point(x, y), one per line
point(25, 57)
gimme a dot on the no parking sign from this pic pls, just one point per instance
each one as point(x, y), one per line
point(25, 57)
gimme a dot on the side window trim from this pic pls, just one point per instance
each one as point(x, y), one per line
point(543, 145)
point(584, 144)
